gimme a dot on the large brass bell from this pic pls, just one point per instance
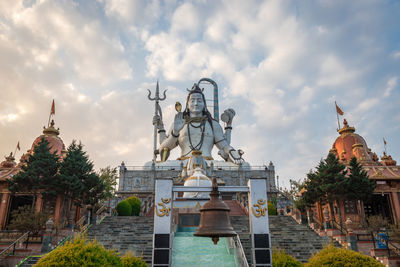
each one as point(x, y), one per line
point(214, 217)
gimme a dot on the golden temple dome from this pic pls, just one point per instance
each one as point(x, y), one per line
point(56, 144)
point(349, 144)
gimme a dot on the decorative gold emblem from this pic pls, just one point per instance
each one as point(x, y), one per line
point(164, 211)
point(259, 211)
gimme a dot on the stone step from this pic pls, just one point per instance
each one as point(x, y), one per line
point(125, 233)
point(136, 234)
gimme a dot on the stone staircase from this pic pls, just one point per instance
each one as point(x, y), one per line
point(125, 233)
point(136, 233)
point(296, 239)
point(241, 226)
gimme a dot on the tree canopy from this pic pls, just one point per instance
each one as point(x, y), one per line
point(332, 181)
point(39, 174)
point(359, 186)
point(108, 176)
point(328, 183)
point(79, 182)
point(73, 177)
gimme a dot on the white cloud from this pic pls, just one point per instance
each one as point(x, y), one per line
point(279, 66)
point(391, 84)
point(335, 73)
point(396, 54)
point(185, 20)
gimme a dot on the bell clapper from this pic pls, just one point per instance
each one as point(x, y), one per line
point(215, 240)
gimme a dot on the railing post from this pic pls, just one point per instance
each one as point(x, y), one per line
point(46, 240)
point(373, 239)
point(351, 236)
point(27, 241)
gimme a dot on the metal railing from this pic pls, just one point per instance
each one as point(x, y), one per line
point(339, 227)
point(315, 220)
point(179, 168)
point(7, 236)
point(240, 256)
point(393, 247)
point(10, 250)
point(60, 243)
point(102, 213)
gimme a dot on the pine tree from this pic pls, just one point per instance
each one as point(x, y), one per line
point(313, 192)
point(79, 181)
point(39, 174)
point(328, 184)
point(332, 175)
point(359, 186)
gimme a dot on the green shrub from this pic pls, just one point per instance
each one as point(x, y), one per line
point(281, 259)
point(135, 204)
point(338, 257)
point(124, 208)
point(271, 209)
point(25, 219)
point(128, 260)
point(79, 252)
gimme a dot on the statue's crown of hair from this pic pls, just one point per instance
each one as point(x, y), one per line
point(196, 89)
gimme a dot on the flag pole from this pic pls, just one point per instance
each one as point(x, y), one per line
point(17, 147)
point(384, 144)
point(52, 111)
point(337, 115)
point(48, 123)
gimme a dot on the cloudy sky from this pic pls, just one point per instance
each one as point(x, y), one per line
point(279, 64)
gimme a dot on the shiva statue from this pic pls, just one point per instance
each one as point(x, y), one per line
point(196, 132)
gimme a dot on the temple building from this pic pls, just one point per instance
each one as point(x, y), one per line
point(9, 167)
point(386, 174)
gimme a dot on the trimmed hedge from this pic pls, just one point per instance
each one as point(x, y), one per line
point(281, 259)
point(124, 208)
point(338, 257)
point(135, 204)
point(129, 260)
point(81, 253)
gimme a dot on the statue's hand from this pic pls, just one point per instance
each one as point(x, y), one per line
point(179, 122)
point(236, 156)
point(227, 116)
point(158, 122)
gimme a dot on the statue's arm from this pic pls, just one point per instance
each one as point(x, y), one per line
point(170, 141)
point(160, 127)
point(226, 151)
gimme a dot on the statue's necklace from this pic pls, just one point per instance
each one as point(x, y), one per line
point(200, 144)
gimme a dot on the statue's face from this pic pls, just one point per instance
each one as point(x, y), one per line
point(196, 103)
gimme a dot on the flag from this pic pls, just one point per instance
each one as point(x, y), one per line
point(384, 141)
point(338, 110)
point(18, 146)
point(53, 108)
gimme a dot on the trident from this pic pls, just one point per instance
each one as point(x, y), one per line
point(157, 110)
